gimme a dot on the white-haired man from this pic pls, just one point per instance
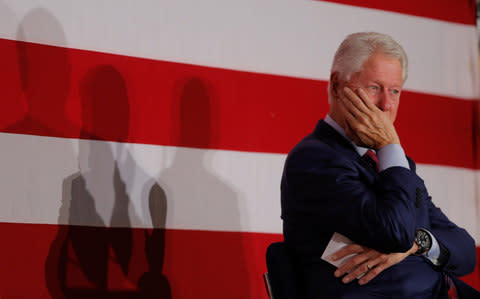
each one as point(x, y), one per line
point(334, 183)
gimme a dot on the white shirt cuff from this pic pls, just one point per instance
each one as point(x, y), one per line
point(391, 155)
point(434, 253)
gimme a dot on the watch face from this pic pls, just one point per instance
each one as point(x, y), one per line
point(422, 238)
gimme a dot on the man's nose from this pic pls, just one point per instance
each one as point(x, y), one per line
point(384, 101)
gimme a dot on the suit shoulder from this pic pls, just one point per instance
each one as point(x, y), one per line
point(313, 150)
point(309, 143)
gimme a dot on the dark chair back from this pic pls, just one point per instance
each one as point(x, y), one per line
point(281, 274)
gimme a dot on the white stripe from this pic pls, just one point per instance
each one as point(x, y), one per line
point(43, 177)
point(204, 189)
point(293, 38)
point(455, 192)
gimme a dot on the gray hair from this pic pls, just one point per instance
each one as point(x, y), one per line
point(356, 48)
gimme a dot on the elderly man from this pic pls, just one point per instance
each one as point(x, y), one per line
point(404, 246)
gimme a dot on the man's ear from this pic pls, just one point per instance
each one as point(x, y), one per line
point(334, 84)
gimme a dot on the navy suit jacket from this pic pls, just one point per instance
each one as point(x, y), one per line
point(327, 187)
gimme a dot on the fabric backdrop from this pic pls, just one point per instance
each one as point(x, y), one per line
point(143, 142)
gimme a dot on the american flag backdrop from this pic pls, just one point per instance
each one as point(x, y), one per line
point(142, 142)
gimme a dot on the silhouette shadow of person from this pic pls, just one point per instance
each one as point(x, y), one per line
point(11, 98)
point(93, 255)
point(36, 165)
point(44, 77)
point(153, 283)
point(201, 202)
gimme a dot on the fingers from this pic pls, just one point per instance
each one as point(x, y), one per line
point(370, 265)
point(355, 130)
point(366, 100)
point(372, 273)
point(358, 265)
point(350, 266)
point(351, 263)
point(381, 263)
point(352, 125)
point(357, 115)
point(376, 266)
point(347, 250)
point(353, 104)
point(359, 101)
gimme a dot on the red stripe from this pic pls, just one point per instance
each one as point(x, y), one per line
point(114, 263)
point(80, 261)
point(439, 130)
point(458, 11)
point(155, 102)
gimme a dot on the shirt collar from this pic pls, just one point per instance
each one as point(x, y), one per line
point(332, 123)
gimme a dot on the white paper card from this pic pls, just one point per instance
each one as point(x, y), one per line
point(337, 242)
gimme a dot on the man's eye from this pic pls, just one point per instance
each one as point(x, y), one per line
point(373, 87)
point(395, 91)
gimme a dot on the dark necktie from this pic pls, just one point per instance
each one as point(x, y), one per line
point(372, 159)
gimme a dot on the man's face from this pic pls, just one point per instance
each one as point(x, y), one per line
point(381, 79)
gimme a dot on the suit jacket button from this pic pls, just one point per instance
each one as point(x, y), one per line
point(418, 192)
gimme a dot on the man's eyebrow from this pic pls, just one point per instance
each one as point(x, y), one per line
point(382, 84)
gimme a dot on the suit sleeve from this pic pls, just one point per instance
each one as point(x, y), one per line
point(455, 242)
point(456, 245)
point(331, 192)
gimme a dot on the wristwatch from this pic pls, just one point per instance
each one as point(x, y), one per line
point(423, 240)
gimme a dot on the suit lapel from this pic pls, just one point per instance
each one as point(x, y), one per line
point(328, 135)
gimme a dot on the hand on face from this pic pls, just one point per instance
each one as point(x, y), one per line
point(365, 123)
